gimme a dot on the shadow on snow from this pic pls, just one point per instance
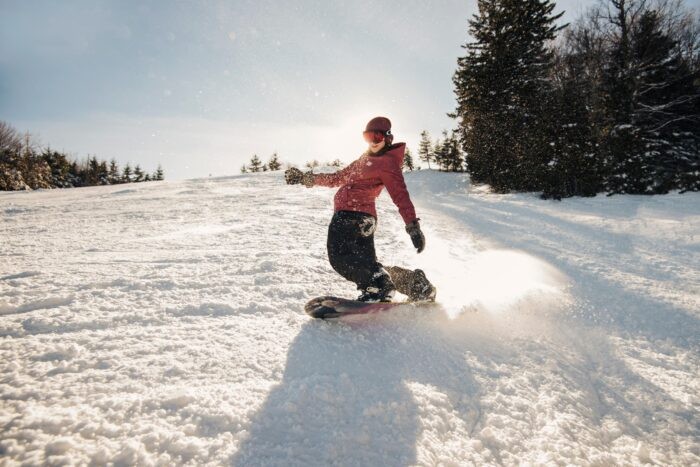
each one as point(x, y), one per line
point(347, 394)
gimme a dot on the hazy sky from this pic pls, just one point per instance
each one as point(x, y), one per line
point(201, 86)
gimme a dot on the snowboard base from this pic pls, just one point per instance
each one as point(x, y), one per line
point(329, 307)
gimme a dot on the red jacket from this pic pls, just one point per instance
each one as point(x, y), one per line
point(362, 181)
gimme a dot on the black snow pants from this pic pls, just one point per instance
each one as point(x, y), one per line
point(351, 247)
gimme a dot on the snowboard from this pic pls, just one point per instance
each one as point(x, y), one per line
point(329, 307)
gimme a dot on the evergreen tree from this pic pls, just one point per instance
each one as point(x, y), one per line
point(93, 171)
point(138, 173)
point(438, 155)
point(103, 173)
point(452, 155)
point(244, 169)
point(10, 177)
point(158, 175)
point(147, 177)
point(34, 169)
point(666, 107)
point(113, 173)
point(76, 175)
point(59, 166)
point(274, 163)
point(650, 96)
point(575, 167)
point(620, 140)
point(447, 154)
point(126, 174)
point(502, 91)
point(255, 164)
point(408, 160)
point(425, 148)
point(311, 165)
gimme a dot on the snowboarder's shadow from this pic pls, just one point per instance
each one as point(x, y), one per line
point(348, 394)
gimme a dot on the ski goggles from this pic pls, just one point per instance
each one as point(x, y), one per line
point(375, 137)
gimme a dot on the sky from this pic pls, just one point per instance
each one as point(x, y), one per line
point(200, 87)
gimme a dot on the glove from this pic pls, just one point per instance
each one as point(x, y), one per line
point(294, 176)
point(417, 237)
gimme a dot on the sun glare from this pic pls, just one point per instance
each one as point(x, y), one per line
point(492, 280)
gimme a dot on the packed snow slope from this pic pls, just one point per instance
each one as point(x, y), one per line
point(162, 323)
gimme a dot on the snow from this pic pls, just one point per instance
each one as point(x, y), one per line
point(163, 324)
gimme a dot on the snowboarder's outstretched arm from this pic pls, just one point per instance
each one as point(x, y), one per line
point(295, 176)
point(339, 178)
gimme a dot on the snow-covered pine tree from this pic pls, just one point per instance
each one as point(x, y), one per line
point(502, 87)
point(621, 143)
point(651, 98)
point(255, 164)
point(126, 173)
point(138, 173)
point(274, 162)
point(103, 172)
point(575, 166)
point(666, 107)
point(75, 174)
point(438, 154)
point(311, 165)
point(113, 173)
point(10, 158)
point(159, 173)
point(425, 148)
point(35, 171)
point(454, 162)
point(446, 152)
point(59, 166)
point(408, 160)
point(93, 171)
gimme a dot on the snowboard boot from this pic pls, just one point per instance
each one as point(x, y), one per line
point(382, 289)
point(413, 284)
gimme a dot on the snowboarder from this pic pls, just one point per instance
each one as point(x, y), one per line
point(351, 231)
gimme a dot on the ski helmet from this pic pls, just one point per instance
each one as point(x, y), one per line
point(382, 125)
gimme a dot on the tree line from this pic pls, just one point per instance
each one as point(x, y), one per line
point(608, 104)
point(445, 153)
point(25, 165)
point(256, 165)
